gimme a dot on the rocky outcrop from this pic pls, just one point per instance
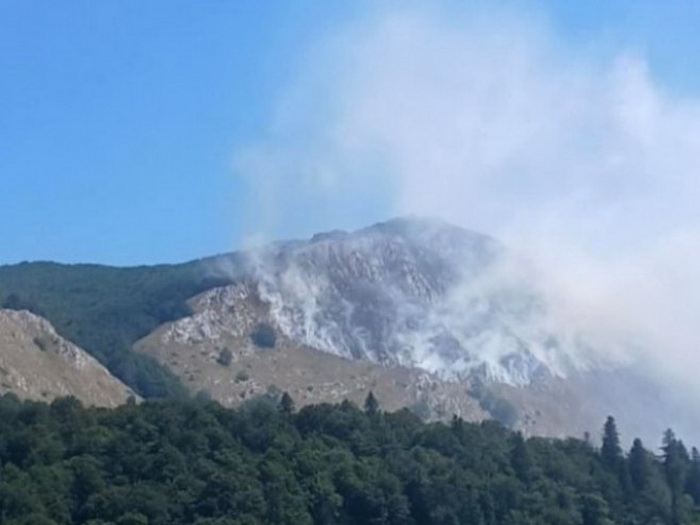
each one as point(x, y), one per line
point(36, 363)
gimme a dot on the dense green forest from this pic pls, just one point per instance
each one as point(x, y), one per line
point(195, 462)
point(105, 310)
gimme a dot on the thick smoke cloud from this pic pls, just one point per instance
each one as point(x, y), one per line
point(584, 164)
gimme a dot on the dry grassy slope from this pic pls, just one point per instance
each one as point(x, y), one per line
point(225, 318)
point(36, 363)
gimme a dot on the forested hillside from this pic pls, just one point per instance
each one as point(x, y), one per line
point(195, 462)
point(105, 310)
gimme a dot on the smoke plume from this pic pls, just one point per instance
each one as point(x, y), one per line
point(585, 165)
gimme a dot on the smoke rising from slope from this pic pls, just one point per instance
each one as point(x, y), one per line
point(586, 166)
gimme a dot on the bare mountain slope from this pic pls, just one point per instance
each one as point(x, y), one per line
point(36, 363)
point(196, 349)
point(212, 351)
point(423, 313)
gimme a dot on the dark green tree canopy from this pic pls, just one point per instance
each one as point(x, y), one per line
point(195, 462)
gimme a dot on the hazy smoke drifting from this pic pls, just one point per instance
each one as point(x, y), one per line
point(586, 166)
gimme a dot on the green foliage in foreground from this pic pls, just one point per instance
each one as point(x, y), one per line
point(105, 310)
point(194, 462)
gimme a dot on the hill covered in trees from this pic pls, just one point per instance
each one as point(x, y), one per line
point(105, 309)
point(171, 462)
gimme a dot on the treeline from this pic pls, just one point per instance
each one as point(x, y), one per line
point(195, 462)
point(105, 310)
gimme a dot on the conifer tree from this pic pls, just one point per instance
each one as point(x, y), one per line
point(520, 458)
point(371, 404)
point(693, 481)
point(286, 404)
point(611, 452)
point(640, 466)
point(675, 464)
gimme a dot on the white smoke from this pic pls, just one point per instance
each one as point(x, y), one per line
point(587, 166)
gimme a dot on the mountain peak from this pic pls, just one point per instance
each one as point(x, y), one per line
point(410, 291)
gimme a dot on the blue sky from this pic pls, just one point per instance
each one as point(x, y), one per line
point(121, 121)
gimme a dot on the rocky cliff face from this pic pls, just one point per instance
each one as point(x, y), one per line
point(36, 363)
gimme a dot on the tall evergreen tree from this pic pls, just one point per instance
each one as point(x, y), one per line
point(693, 481)
point(286, 404)
point(675, 464)
point(520, 458)
point(675, 461)
point(611, 452)
point(640, 466)
point(371, 404)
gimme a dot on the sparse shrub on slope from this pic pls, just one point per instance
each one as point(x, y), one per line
point(264, 336)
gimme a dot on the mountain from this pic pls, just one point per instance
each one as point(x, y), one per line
point(36, 363)
point(426, 314)
point(417, 293)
